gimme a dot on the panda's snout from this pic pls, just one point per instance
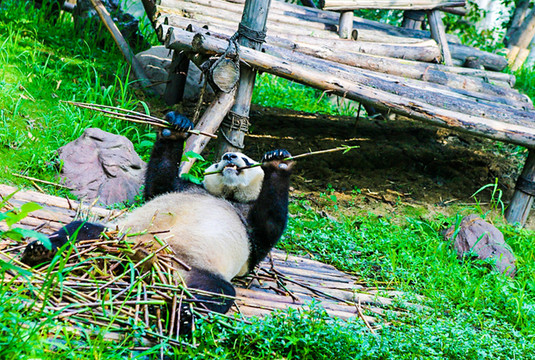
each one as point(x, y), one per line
point(229, 157)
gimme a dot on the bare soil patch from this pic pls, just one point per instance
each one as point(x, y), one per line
point(398, 161)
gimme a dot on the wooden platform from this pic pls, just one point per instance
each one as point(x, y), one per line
point(284, 281)
point(389, 69)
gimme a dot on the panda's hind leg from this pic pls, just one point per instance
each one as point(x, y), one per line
point(36, 253)
point(211, 285)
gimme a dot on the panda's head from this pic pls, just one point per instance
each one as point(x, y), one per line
point(232, 182)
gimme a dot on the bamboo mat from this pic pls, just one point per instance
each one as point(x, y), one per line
point(281, 281)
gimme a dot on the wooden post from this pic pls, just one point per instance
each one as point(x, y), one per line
point(254, 17)
point(345, 27)
point(176, 81)
point(439, 34)
point(413, 19)
point(518, 210)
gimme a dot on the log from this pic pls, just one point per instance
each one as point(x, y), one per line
point(523, 35)
point(475, 102)
point(426, 50)
point(366, 28)
point(413, 19)
point(519, 59)
point(469, 102)
point(344, 5)
point(489, 61)
point(404, 68)
point(516, 132)
point(209, 122)
point(520, 205)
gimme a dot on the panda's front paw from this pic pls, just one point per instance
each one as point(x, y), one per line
point(276, 159)
point(179, 123)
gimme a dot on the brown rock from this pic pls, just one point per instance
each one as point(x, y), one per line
point(478, 237)
point(103, 165)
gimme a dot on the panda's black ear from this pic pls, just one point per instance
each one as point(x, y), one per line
point(246, 161)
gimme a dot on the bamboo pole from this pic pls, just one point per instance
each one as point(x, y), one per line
point(517, 132)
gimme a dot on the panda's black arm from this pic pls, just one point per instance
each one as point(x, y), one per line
point(269, 213)
point(162, 170)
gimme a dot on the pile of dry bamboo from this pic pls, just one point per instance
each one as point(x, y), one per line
point(97, 283)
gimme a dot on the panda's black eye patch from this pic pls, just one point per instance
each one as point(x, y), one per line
point(246, 161)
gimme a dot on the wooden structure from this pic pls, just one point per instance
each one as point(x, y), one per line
point(285, 281)
point(391, 69)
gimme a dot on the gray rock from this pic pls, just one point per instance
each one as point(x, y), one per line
point(477, 237)
point(103, 165)
point(156, 61)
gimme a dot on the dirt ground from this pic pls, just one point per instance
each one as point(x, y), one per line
point(398, 162)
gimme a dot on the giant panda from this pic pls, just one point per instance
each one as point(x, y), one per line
point(221, 230)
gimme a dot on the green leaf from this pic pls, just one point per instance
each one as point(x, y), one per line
point(145, 107)
point(5, 199)
point(8, 266)
point(145, 144)
point(29, 207)
point(192, 178)
point(193, 155)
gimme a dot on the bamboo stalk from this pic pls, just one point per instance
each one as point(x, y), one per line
point(312, 153)
point(133, 116)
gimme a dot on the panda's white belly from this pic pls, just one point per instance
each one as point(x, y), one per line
point(205, 232)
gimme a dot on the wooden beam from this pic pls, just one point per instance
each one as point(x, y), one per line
point(122, 45)
point(209, 122)
point(520, 206)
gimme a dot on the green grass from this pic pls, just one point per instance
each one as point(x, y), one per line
point(471, 312)
point(42, 64)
